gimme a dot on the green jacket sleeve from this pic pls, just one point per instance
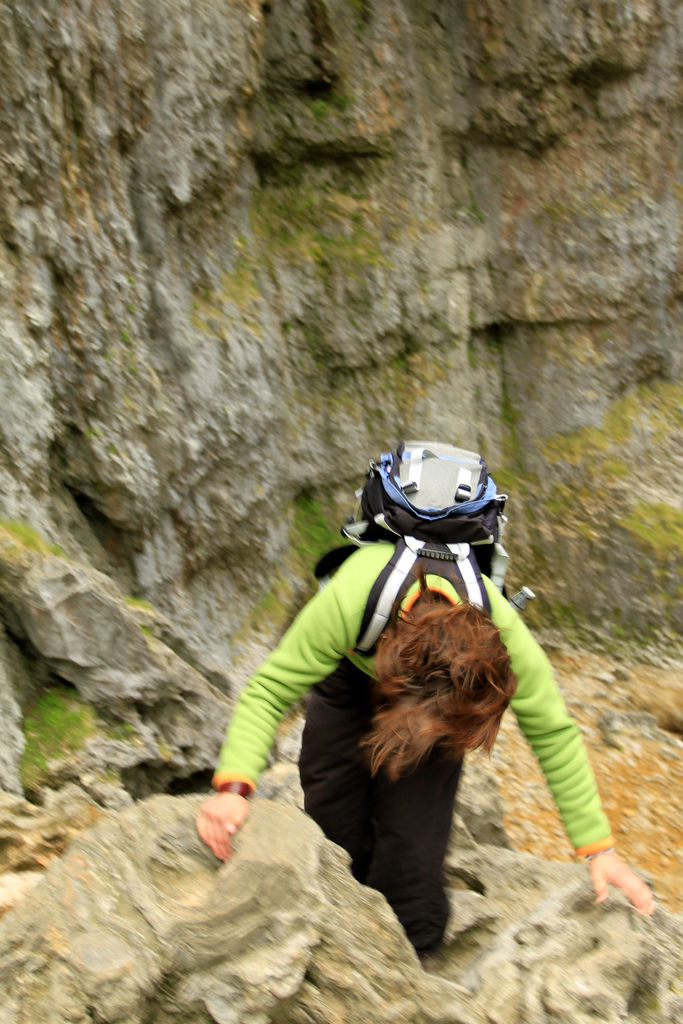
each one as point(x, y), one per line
point(321, 635)
point(553, 734)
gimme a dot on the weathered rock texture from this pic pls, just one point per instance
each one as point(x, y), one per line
point(159, 719)
point(243, 247)
point(138, 923)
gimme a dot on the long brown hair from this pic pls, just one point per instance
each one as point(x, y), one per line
point(443, 678)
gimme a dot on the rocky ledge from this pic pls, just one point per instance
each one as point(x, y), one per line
point(138, 922)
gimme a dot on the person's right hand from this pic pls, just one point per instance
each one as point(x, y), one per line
point(219, 818)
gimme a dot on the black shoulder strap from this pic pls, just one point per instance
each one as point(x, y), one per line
point(453, 562)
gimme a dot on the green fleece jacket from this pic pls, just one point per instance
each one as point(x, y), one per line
point(326, 630)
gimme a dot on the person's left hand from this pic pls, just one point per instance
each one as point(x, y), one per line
point(608, 869)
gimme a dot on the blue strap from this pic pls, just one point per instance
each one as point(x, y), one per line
point(465, 508)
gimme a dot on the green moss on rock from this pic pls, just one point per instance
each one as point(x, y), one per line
point(238, 287)
point(312, 532)
point(322, 226)
point(57, 723)
point(22, 535)
point(657, 526)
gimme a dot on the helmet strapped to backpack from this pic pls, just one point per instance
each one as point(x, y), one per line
point(441, 508)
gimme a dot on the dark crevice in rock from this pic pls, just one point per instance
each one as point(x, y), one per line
point(115, 541)
point(357, 157)
point(73, 476)
point(470, 880)
point(593, 75)
point(36, 675)
point(652, 367)
point(199, 782)
point(318, 88)
point(343, 169)
point(147, 779)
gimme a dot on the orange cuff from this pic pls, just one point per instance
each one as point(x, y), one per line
point(596, 847)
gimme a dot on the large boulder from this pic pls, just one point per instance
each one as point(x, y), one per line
point(160, 718)
point(138, 922)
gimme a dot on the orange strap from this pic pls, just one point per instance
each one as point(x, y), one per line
point(410, 601)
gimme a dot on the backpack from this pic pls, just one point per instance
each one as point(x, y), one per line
point(442, 510)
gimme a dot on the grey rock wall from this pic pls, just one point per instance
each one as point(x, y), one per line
point(244, 247)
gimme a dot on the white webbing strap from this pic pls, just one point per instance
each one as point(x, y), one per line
point(385, 601)
point(459, 550)
point(469, 576)
point(355, 530)
point(414, 470)
point(397, 577)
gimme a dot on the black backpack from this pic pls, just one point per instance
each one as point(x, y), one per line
point(442, 510)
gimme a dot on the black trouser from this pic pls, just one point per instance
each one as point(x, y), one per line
point(395, 832)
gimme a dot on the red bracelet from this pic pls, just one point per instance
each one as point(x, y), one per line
point(241, 788)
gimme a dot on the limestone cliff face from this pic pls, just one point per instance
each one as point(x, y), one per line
point(245, 246)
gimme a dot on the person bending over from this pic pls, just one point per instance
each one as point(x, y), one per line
point(385, 735)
